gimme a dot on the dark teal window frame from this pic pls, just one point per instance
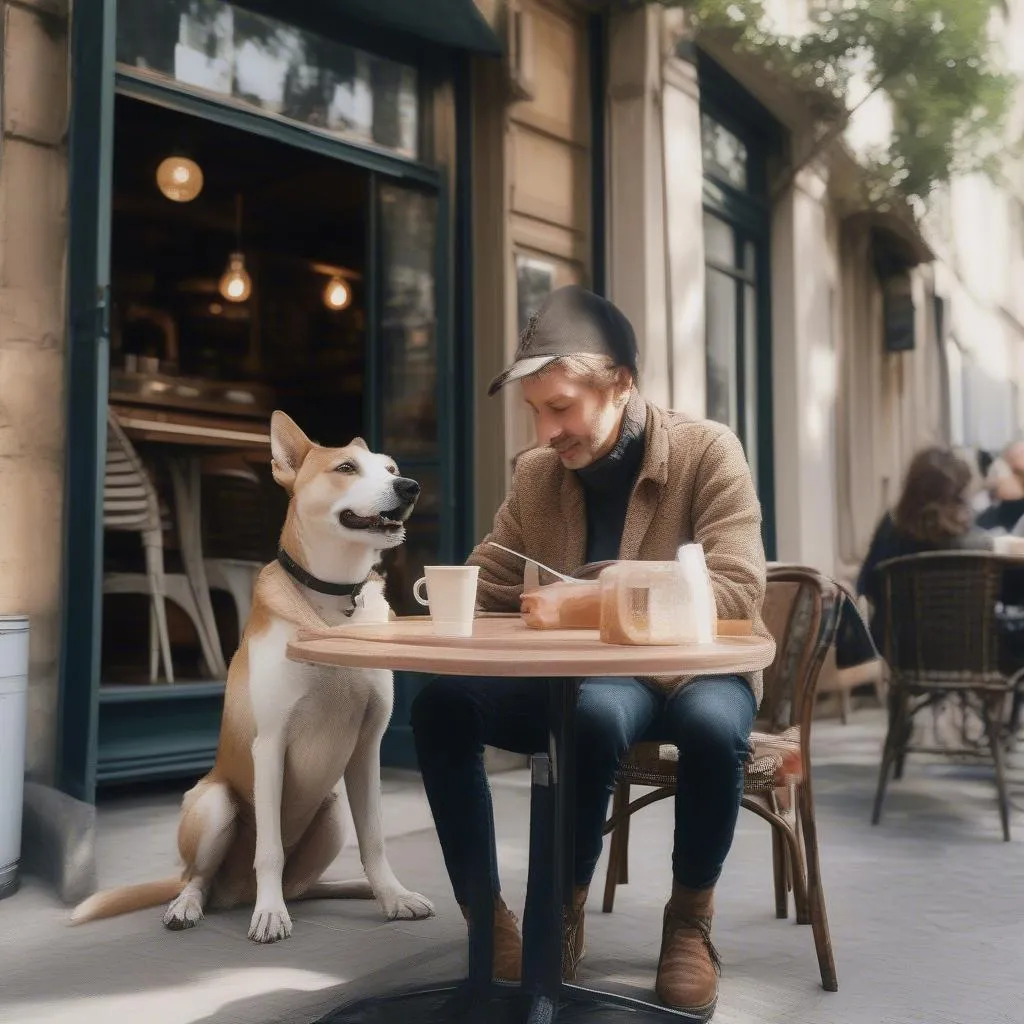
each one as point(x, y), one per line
point(749, 213)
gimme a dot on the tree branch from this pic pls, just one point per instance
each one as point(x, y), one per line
point(825, 140)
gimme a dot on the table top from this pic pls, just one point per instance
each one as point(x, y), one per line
point(193, 430)
point(505, 646)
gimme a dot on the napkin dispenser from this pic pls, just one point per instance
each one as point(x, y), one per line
point(658, 603)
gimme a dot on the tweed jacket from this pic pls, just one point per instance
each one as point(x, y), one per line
point(693, 485)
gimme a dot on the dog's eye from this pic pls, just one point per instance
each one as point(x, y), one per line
point(345, 467)
point(393, 470)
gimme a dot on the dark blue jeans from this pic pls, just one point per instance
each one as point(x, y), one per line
point(709, 719)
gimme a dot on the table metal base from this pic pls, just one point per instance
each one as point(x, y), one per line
point(503, 1004)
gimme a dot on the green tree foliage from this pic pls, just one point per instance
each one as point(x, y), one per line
point(933, 58)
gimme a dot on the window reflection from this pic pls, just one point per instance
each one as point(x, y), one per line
point(721, 376)
point(725, 155)
point(408, 327)
point(535, 280)
point(214, 47)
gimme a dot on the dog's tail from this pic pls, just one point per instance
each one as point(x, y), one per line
point(125, 899)
point(353, 889)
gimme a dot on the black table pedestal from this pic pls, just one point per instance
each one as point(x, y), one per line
point(542, 998)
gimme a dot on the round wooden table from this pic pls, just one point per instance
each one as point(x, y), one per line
point(502, 646)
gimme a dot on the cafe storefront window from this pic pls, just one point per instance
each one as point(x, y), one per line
point(254, 227)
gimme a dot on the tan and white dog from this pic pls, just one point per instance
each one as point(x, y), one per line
point(268, 819)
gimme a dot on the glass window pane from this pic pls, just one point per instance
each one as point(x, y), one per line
point(213, 47)
point(750, 259)
point(536, 278)
point(725, 155)
point(750, 333)
point(719, 241)
point(408, 322)
point(720, 347)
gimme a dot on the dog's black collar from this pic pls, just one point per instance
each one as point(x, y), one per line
point(307, 579)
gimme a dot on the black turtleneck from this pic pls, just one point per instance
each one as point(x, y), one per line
point(608, 483)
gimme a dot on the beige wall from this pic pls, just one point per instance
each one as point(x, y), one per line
point(684, 226)
point(637, 239)
point(33, 236)
point(531, 199)
point(803, 372)
point(547, 151)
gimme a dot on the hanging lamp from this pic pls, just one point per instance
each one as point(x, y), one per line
point(179, 178)
point(235, 283)
point(338, 293)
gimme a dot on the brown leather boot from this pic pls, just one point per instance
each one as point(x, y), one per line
point(508, 944)
point(573, 946)
point(688, 967)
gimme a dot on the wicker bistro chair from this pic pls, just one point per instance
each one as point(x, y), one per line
point(942, 640)
point(801, 610)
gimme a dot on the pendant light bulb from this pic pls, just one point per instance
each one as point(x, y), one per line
point(236, 284)
point(337, 294)
point(179, 179)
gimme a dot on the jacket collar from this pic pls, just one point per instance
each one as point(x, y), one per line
point(643, 502)
point(650, 481)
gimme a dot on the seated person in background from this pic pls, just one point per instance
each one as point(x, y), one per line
point(932, 514)
point(1005, 484)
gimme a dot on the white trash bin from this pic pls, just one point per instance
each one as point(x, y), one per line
point(13, 726)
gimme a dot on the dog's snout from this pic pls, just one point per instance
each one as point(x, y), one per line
point(406, 489)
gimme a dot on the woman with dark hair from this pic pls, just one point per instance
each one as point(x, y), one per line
point(933, 514)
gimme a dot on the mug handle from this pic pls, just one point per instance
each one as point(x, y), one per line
point(421, 582)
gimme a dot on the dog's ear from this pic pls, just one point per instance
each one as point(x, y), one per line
point(358, 442)
point(289, 446)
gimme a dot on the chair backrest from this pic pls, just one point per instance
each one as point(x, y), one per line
point(129, 498)
point(939, 617)
point(236, 521)
point(801, 611)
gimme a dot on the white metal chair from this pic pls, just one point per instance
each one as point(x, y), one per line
point(130, 505)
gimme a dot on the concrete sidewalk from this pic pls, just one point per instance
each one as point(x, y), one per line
point(926, 913)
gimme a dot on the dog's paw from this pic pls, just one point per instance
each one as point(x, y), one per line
point(184, 912)
point(270, 925)
point(405, 905)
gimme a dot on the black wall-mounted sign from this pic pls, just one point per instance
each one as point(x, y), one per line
point(899, 314)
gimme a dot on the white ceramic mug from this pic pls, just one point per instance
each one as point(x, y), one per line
point(451, 597)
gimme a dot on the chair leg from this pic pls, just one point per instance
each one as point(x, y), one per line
point(845, 706)
point(780, 867)
point(153, 544)
point(798, 864)
point(995, 742)
point(626, 825)
point(154, 642)
point(618, 848)
point(881, 687)
point(181, 593)
point(816, 893)
point(893, 743)
point(902, 740)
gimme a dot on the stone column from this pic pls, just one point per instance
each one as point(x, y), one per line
point(636, 237)
point(33, 247)
point(804, 374)
point(684, 236)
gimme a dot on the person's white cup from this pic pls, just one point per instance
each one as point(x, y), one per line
point(451, 597)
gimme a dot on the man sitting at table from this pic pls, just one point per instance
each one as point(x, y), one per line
point(613, 477)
